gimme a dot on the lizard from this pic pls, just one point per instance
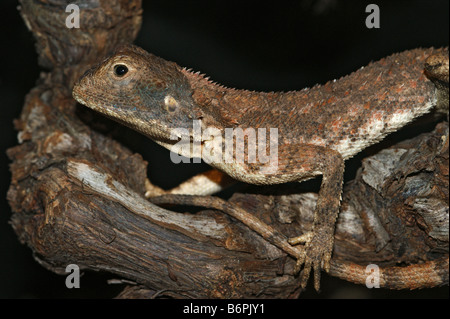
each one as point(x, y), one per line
point(318, 128)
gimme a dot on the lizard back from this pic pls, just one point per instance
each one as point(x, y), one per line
point(346, 115)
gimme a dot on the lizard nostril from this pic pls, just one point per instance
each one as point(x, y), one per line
point(120, 70)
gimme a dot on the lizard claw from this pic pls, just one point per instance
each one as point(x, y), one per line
point(315, 256)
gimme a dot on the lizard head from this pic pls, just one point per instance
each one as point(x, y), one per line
point(139, 90)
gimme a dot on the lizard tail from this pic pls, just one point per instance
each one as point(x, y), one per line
point(427, 275)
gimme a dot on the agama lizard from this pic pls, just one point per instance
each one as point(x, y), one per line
point(318, 128)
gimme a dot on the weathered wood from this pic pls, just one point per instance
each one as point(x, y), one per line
point(78, 196)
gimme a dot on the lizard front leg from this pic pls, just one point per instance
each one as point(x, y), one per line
point(307, 161)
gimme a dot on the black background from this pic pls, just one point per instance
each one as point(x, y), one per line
point(265, 46)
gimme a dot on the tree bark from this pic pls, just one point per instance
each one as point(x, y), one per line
point(77, 195)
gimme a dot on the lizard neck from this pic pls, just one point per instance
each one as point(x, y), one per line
point(222, 106)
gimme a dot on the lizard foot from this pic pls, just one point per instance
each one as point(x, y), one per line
point(316, 255)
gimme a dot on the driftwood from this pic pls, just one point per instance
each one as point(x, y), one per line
point(77, 195)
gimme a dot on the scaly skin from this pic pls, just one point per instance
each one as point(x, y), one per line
point(318, 128)
point(430, 274)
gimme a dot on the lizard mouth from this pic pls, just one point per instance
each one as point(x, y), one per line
point(127, 116)
point(152, 129)
point(78, 93)
point(78, 97)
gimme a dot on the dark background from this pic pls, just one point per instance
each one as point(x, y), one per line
point(253, 45)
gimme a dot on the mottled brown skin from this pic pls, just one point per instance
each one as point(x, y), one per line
point(437, 69)
point(427, 275)
point(318, 128)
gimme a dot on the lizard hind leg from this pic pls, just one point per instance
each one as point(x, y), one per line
point(206, 183)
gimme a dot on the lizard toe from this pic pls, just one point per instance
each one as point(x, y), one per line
point(315, 256)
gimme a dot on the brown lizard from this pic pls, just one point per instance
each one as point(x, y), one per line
point(318, 128)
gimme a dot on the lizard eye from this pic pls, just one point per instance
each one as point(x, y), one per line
point(120, 70)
